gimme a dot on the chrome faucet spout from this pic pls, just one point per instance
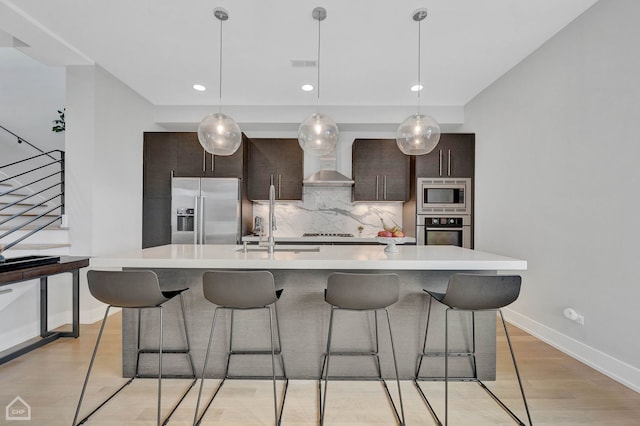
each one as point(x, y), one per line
point(272, 217)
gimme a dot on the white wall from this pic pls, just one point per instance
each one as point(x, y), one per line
point(31, 95)
point(557, 183)
point(105, 124)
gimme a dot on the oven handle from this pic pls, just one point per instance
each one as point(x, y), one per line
point(445, 228)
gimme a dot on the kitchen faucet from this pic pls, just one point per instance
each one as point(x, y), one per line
point(272, 217)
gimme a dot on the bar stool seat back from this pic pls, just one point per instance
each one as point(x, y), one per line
point(362, 291)
point(131, 289)
point(239, 289)
point(479, 292)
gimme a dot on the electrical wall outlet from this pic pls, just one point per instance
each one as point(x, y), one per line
point(571, 314)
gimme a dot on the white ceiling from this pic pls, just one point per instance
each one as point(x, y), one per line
point(369, 47)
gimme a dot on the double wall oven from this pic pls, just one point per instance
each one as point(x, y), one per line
point(443, 207)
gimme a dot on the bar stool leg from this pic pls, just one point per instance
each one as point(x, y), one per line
point(273, 366)
point(138, 341)
point(160, 367)
point(188, 341)
point(284, 372)
point(86, 380)
point(515, 366)
point(395, 366)
point(327, 357)
point(446, 366)
point(420, 358)
point(424, 344)
point(196, 420)
point(230, 351)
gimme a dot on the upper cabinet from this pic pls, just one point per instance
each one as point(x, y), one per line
point(159, 160)
point(277, 161)
point(454, 156)
point(194, 161)
point(380, 171)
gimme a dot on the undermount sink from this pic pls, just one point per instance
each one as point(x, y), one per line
point(285, 248)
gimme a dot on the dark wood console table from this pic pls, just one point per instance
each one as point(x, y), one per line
point(66, 264)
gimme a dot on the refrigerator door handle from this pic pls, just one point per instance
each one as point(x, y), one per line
point(196, 219)
point(202, 221)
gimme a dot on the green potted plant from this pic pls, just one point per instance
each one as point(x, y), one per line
point(59, 124)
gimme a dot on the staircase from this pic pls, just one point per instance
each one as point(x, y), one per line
point(32, 205)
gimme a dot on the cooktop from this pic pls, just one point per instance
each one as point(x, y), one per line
point(326, 234)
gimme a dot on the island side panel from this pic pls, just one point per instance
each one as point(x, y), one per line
point(304, 323)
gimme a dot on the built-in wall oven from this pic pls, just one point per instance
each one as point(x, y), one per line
point(444, 212)
point(443, 230)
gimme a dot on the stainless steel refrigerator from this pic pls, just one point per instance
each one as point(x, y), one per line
point(205, 211)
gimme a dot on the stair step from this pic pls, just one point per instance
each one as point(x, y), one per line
point(20, 221)
point(25, 249)
point(32, 226)
point(18, 193)
point(30, 214)
point(42, 246)
point(44, 239)
point(21, 203)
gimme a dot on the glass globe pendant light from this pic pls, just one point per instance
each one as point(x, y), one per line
point(318, 133)
point(218, 133)
point(419, 133)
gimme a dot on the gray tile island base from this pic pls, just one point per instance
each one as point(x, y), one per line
point(304, 319)
point(303, 314)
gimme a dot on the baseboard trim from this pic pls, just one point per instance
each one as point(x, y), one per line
point(90, 316)
point(619, 371)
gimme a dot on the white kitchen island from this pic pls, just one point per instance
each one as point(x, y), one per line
point(304, 316)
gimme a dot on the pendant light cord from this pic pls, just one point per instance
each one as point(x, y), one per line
point(419, 62)
point(220, 74)
point(318, 64)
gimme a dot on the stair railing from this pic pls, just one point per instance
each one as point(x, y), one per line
point(40, 180)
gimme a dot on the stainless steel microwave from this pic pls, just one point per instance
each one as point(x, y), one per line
point(443, 195)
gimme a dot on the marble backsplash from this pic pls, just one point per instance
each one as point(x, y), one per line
point(329, 210)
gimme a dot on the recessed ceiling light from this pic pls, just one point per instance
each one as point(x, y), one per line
point(307, 87)
point(199, 87)
point(416, 88)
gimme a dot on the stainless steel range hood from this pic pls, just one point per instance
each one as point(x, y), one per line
point(327, 178)
point(327, 174)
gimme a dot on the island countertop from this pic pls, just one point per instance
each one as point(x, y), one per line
point(332, 257)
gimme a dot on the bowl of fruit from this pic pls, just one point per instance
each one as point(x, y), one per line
point(390, 235)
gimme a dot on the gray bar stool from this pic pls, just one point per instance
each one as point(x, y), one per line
point(244, 290)
point(365, 293)
point(472, 293)
point(140, 290)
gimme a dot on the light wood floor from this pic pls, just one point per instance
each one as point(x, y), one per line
point(560, 391)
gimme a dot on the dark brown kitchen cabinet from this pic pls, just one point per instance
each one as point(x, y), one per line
point(454, 156)
point(193, 161)
point(156, 222)
point(380, 171)
point(278, 161)
point(159, 160)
